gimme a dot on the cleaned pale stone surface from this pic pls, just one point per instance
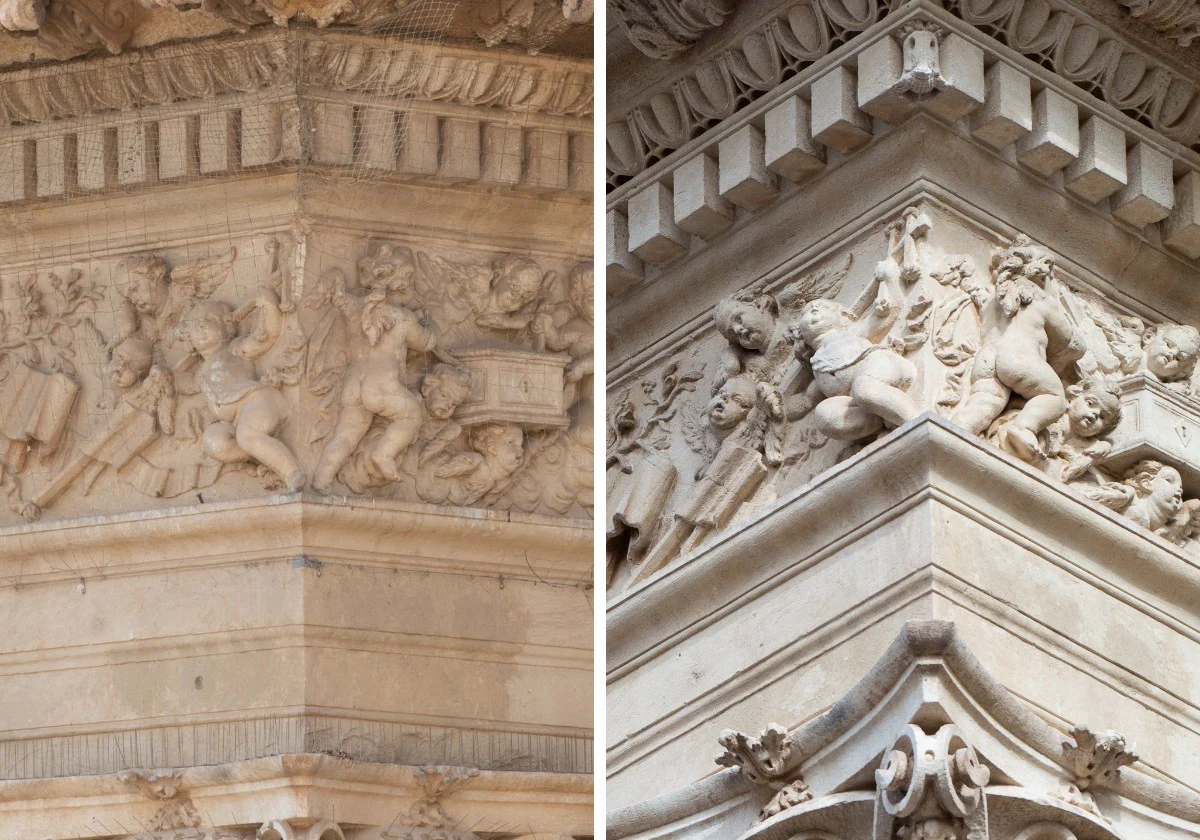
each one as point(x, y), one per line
point(1150, 193)
point(622, 269)
point(790, 150)
point(1007, 112)
point(653, 235)
point(837, 121)
point(1181, 230)
point(744, 179)
point(1054, 141)
point(1099, 171)
point(699, 206)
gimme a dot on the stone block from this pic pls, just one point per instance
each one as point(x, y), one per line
point(1150, 192)
point(963, 88)
point(837, 121)
point(420, 144)
point(744, 178)
point(1099, 171)
point(503, 153)
point(217, 141)
point(132, 157)
point(1007, 112)
point(1054, 141)
point(52, 162)
point(377, 138)
point(879, 68)
point(622, 269)
point(261, 134)
point(582, 158)
point(699, 207)
point(333, 134)
point(461, 149)
point(514, 386)
point(176, 149)
point(790, 150)
point(653, 235)
point(548, 157)
point(1181, 229)
point(93, 159)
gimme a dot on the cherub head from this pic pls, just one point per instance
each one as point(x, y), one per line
point(581, 290)
point(147, 286)
point(516, 282)
point(502, 445)
point(745, 323)
point(931, 829)
point(732, 403)
point(444, 389)
point(1023, 259)
point(209, 326)
point(1158, 489)
point(387, 268)
point(1171, 351)
point(817, 319)
point(1094, 408)
point(130, 362)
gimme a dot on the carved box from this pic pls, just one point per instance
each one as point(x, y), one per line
point(514, 386)
point(1159, 423)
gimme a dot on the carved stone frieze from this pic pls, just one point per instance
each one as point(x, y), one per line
point(22, 15)
point(165, 786)
point(404, 374)
point(806, 373)
point(531, 24)
point(1178, 20)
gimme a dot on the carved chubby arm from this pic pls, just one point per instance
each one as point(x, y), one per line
point(438, 443)
point(259, 341)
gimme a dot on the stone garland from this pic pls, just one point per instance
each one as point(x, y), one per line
point(1026, 362)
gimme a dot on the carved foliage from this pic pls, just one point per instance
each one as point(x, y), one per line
point(666, 28)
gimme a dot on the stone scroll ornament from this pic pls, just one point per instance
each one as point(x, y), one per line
point(422, 379)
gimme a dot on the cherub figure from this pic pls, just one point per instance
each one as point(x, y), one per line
point(382, 334)
point(859, 386)
point(444, 388)
point(1151, 494)
point(513, 298)
point(568, 327)
point(738, 423)
point(1027, 340)
point(749, 324)
point(156, 297)
point(1171, 352)
point(250, 412)
point(497, 451)
point(1076, 442)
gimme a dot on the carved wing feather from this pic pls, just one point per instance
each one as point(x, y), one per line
point(825, 283)
point(464, 287)
point(198, 279)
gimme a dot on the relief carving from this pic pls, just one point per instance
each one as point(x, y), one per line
point(165, 786)
point(1055, 375)
point(427, 819)
point(666, 28)
point(186, 377)
point(764, 761)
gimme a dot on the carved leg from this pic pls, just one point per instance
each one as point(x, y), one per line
point(1045, 403)
point(352, 424)
point(985, 403)
point(262, 414)
point(839, 418)
point(394, 440)
point(892, 405)
point(220, 444)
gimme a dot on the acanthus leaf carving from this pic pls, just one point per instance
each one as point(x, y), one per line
point(767, 761)
point(165, 786)
point(22, 15)
point(1096, 757)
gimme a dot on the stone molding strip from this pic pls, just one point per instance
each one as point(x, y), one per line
point(341, 62)
point(917, 643)
point(223, 742)
point(1102, 156)
point(1056, 34)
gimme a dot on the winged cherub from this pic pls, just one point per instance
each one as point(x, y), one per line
point(155, 297)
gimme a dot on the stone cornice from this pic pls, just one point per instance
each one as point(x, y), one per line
point(64, 29)
point(1146, 85)
point(338, 62)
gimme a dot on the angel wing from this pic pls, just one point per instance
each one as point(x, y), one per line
point(826, 283)
point(461, 288)
point(191, 284)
